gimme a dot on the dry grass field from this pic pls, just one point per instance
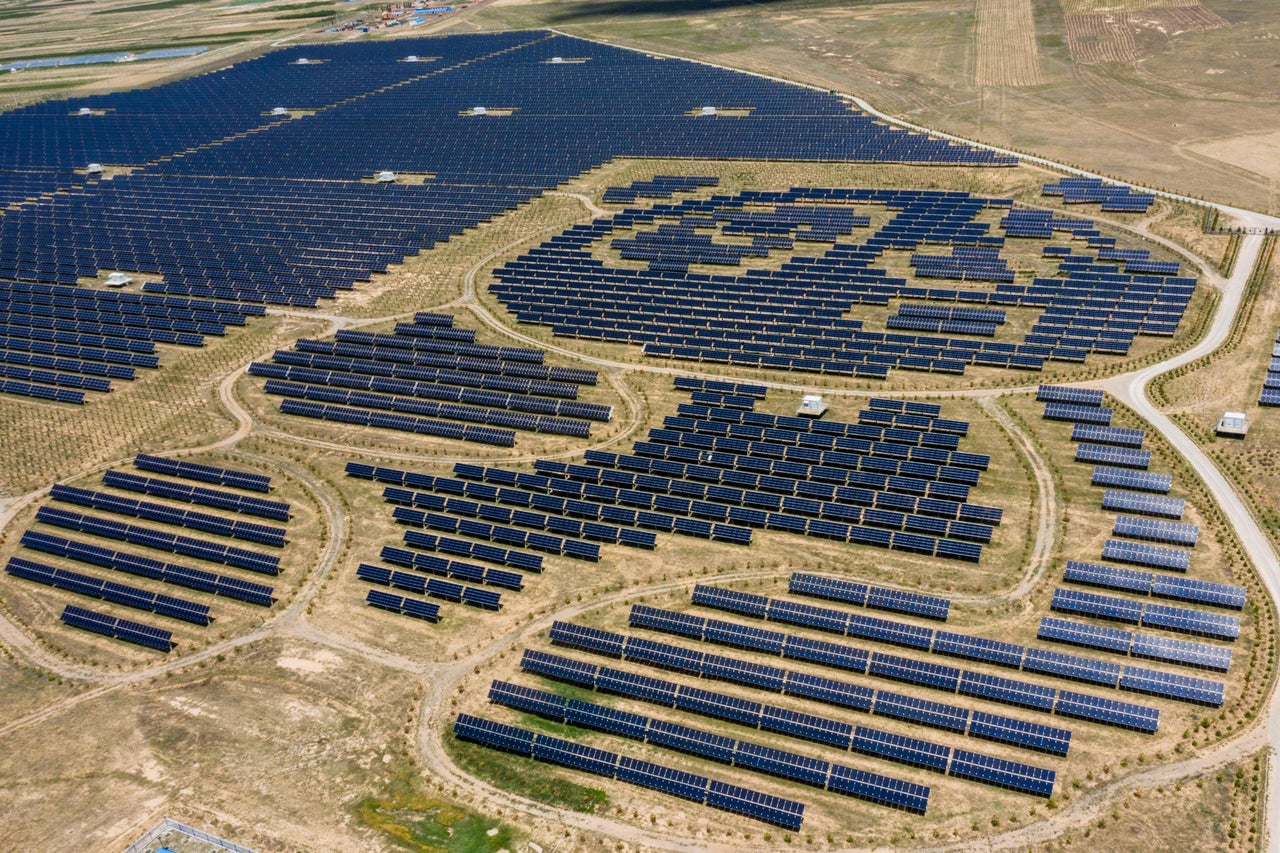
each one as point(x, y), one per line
point(1131, 88)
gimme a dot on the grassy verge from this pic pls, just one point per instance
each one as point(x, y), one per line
point(526, 778)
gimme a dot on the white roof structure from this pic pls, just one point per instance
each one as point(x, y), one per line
point(385, 177)
point(811, 406)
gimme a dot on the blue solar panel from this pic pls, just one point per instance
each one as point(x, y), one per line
point(1117, 436)
point(1156, 505)
point(1064, 394)
point(1077, 413)
point(1110, 711)
point(1169, 559)
point(1153, 530)
point(1142, 481)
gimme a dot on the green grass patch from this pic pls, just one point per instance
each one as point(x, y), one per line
point(526, 777)
point(414, 821)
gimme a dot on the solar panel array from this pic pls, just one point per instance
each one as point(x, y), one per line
point(1077, 413)
point(1219, 626)
point(431, 378)
point(906, 750)
point(1122, 457)
point(1114, 198)
point(1067, 394)
point(1270, 395)
point(920, 507)
point(659, 186)
point(1117, 436)
point(792, 318)
point(293, 238)
point(896, 479)
point(120, 629)
point(1160, 586)
point(1155, 530)
point(496, 520)
point(1143, 504)
point(874, 787)
point(1141, 554)
point(543, 747)
point(99, 549)
point(1007, 691)
point(57, 342)
point(881, 702)
point(937, 641)
point(1140, 481)
point(897, 601)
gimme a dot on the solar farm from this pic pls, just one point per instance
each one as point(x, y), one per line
point(418, 422)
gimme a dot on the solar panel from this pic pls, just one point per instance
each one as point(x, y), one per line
point(1077, 413)
point(1143, 504)
point(1117, 436)
point(1118, 456)
point(1071, 666)
point(877, 597)
point(1169, 559)
point(1110, 711)
point(1064, 394)
point(1101, 606)
point(1005, 774)
point(1152, 530)
point(1141, 481)
point(1185, 688)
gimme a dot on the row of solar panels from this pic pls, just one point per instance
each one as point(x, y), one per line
point(1199, 655)
point(1029, 659)
point(474, 596)
point(244, 504)
point(1008, 691)
point(147, 567)
point(1270, 395)
point(403, 423)
point(120, 629)
point(690, 786)
point(756, 514)
point(837, 778)
point(117, 593)
point(1220, 626)
point(245, 530)
point(691, 383)
point(879, 598)
point(203, 473)
point(899, 748)
point(624, 471)
point(380, 360)
point(1158, 585)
